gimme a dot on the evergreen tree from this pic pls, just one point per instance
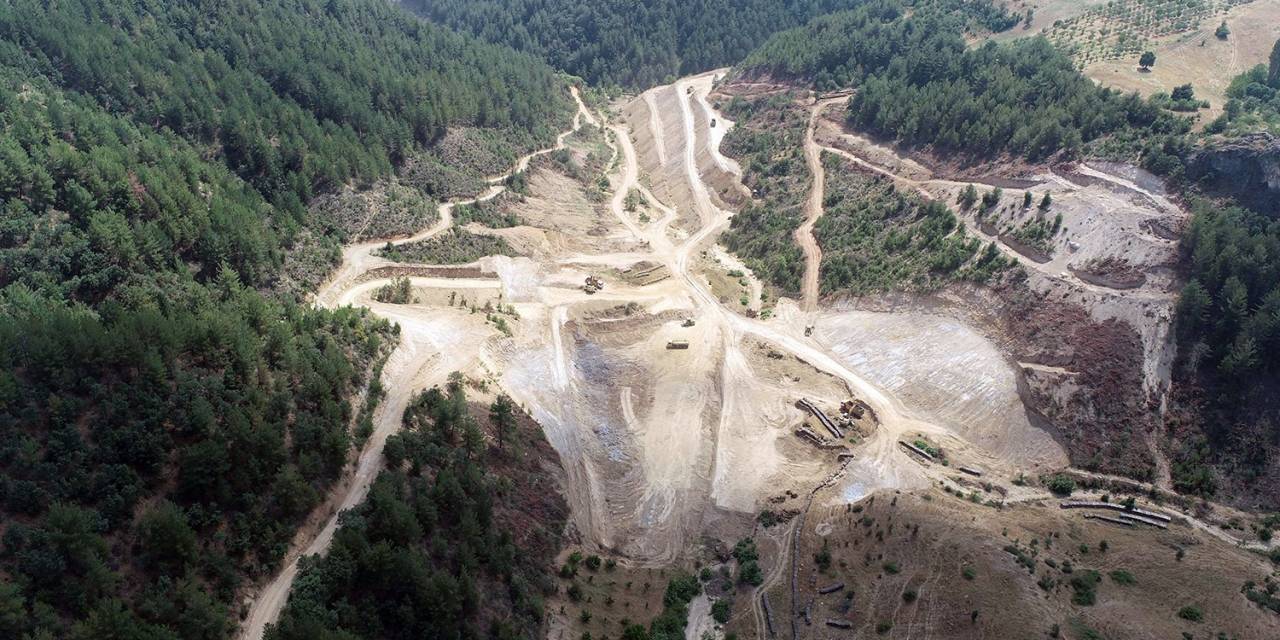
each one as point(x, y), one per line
point(502, 414)
point(1273, 70)
point(156, 159)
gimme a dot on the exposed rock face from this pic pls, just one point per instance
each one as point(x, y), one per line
point(1247, 168)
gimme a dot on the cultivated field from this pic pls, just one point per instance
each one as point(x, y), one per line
point(1105, 38)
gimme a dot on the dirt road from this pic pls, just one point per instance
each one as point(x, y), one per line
point(430, 348)
point(654, 442)
point(813, 206)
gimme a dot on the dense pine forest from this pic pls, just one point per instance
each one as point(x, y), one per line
point(299, 96)
point(1253, 99)
point(1229, 346)
point(625, 42)
point(169, 415)
point(642, 43)
point(918, 82)
point(456, 539)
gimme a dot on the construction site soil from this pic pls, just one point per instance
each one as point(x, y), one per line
point(674, 408)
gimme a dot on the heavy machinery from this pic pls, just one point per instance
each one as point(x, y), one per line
point(593, 284)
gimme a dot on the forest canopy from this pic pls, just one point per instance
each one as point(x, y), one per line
point(455, 540)
point(297, 96)
point(917, 81)
point(635, 43)
point(167, 416)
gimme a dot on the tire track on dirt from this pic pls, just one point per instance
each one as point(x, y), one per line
point(813, 206)
point(655, 127)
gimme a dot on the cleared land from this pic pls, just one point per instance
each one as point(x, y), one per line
point(1105, 38)
point(1198, 57)
point(674, 414)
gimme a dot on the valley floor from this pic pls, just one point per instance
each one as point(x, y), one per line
point(672, 400)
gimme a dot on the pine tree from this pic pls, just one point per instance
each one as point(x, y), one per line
point(502, 414)
point(1273, 74)
point(1046, 202)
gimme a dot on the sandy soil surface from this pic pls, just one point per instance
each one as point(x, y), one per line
point(657, 443)
point(951, 556)
point(674, 414)
point(1046, 12)
point(1200, 58)
point(1107, 212)
point(433, 343)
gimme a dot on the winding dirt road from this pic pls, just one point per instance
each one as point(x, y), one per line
point(435, 342)
point(429, 349)
point(813, 206)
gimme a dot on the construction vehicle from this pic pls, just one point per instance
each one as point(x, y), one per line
point(808, 331)
point(678, 344)
point(593, 284)
point(853, 408)
point(688, 322)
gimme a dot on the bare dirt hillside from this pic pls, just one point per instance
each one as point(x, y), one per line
point(936, 564)
point(686, 419)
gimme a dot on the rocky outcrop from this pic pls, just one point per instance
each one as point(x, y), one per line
point(1247, 168)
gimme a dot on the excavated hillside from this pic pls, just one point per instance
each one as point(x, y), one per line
point(693, 405)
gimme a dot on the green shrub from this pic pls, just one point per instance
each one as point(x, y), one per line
point(720, 610)
point(1061, 485)
point(823, 558)
point(1085, 587)
point(1192, 613)
point(1121, 576)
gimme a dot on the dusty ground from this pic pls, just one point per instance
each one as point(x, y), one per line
point(1045, 13)
point(663, 447)
point(1106, 212)
point(921, 564)
point(1200, 58)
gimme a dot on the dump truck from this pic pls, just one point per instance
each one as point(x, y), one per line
point(678, 344)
